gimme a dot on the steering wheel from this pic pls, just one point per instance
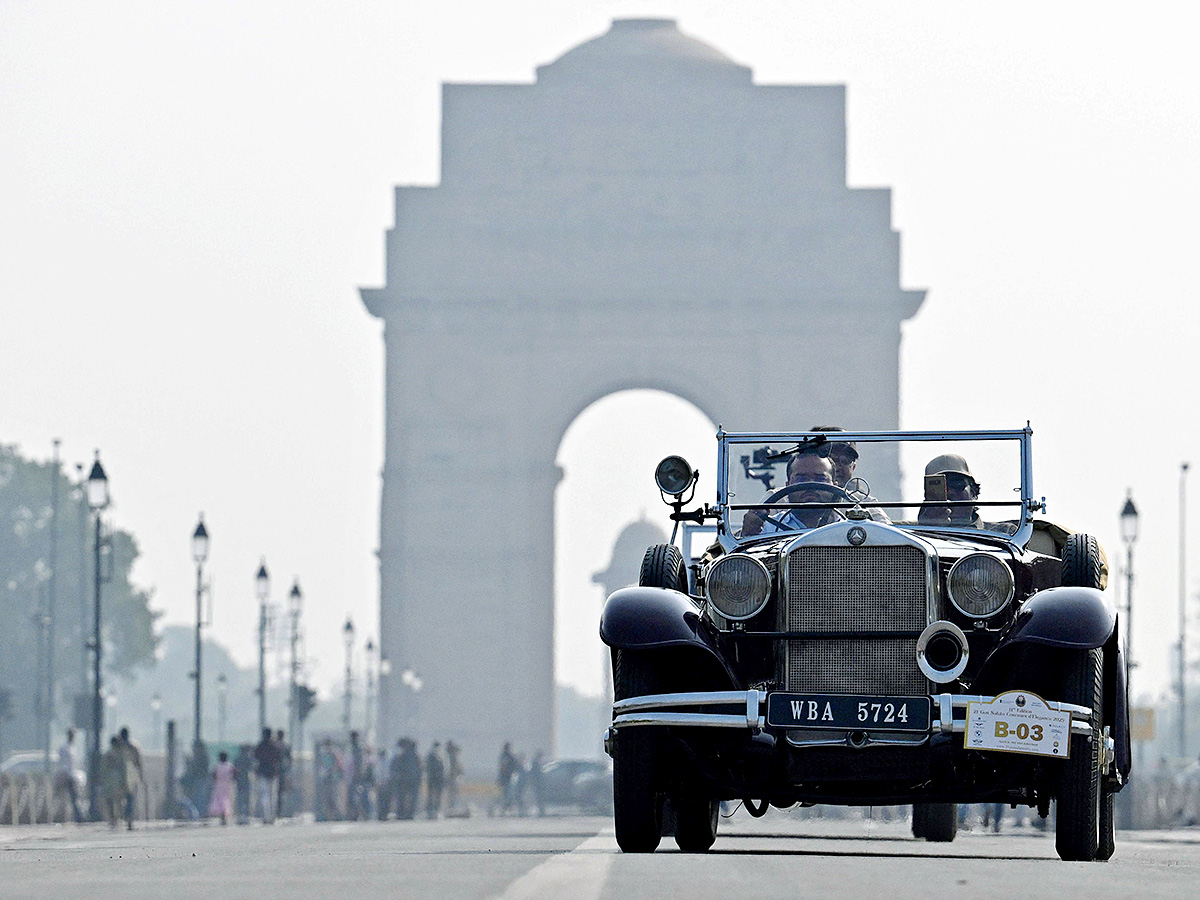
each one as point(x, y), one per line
point(835, 491)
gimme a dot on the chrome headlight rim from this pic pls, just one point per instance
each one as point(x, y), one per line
point(724, 561)
point(1007, 594)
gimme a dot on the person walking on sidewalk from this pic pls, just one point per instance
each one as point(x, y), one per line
point(267, 757)
point(435, 781)
point(224, 781)
point(65, 779)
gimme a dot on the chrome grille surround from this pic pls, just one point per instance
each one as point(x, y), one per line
point(887, 584)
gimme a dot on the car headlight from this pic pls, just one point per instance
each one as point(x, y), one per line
point(979, 585)
point(738, 586)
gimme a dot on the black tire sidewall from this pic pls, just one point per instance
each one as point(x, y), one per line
point(1080, 792)
point(662, 567)
point(637, 806)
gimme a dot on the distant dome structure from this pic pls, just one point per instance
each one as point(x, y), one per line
point(626, 563)
point(633, 48)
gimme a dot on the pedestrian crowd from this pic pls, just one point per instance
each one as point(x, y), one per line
point(520, 786)
point(120, 778)
point(355, 781)
point(258, 781)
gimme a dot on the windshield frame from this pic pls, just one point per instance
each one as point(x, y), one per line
point(1027, 503)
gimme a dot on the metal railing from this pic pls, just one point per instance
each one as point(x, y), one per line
point(35, 799)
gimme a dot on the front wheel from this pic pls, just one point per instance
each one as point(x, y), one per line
point(1077, 834)
point(696, 824)
point(1107, 845)
point(637, 806)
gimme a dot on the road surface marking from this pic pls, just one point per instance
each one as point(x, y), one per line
point(579, 874)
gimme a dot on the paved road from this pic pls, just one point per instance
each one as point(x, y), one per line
point(576, 859)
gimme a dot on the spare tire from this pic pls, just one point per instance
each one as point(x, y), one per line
point(1082, 562)
point(662, 566)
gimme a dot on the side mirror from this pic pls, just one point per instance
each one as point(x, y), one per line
point(674, 475)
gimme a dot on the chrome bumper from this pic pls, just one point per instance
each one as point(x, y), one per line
point(949, 712)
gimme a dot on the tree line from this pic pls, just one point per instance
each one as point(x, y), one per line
point(46, 595)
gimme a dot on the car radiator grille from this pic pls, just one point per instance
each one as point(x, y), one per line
point(860, 590)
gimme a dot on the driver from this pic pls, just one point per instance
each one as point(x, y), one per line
point(803, 468)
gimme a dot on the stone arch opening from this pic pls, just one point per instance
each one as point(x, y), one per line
point(607, 456)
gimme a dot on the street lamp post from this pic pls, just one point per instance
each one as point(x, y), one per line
point(156, 724)
point(369, 727)
point(222, 688)
point(385, 670)
point(199, 554)
point(262, 590)
point(97, 497)
point(51, 606)
point(295, 604)
point(348, 633)
point(1183, 469)
point(1129, 533)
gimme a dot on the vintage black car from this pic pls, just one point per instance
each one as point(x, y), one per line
point(929, 641)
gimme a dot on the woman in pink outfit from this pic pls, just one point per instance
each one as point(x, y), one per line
point(221, 803)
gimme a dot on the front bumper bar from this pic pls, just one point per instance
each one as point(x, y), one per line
point(949, 711)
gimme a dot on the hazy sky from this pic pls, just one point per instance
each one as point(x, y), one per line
point(190, 194)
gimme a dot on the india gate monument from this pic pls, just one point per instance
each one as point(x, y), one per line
point(642, 215)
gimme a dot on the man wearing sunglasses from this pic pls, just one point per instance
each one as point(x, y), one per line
point(808, 468)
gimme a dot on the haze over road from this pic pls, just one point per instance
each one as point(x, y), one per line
point(483, 858)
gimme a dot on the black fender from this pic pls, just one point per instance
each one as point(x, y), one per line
point(1073, 618)
point(1063, 619)
point(1116, 686)
point(652, 618)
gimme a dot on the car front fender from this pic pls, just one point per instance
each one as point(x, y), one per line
point(637, 618)
point(651, 618)
point(1074, 618)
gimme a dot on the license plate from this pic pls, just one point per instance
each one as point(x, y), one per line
point(1018, 722)
point(849, 711)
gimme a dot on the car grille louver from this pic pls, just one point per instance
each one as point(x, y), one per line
point(861, 590)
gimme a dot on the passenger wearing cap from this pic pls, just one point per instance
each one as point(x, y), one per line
point(842, 454)
point(960, 485)
point(844, 457)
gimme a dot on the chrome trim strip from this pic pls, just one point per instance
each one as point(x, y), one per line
point(708, 720)
point(692, 698)
point(947, 703)
point(647, 710)
point(874, 739)
point(960, 701)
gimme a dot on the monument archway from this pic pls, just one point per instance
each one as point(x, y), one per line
point(641, 216)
